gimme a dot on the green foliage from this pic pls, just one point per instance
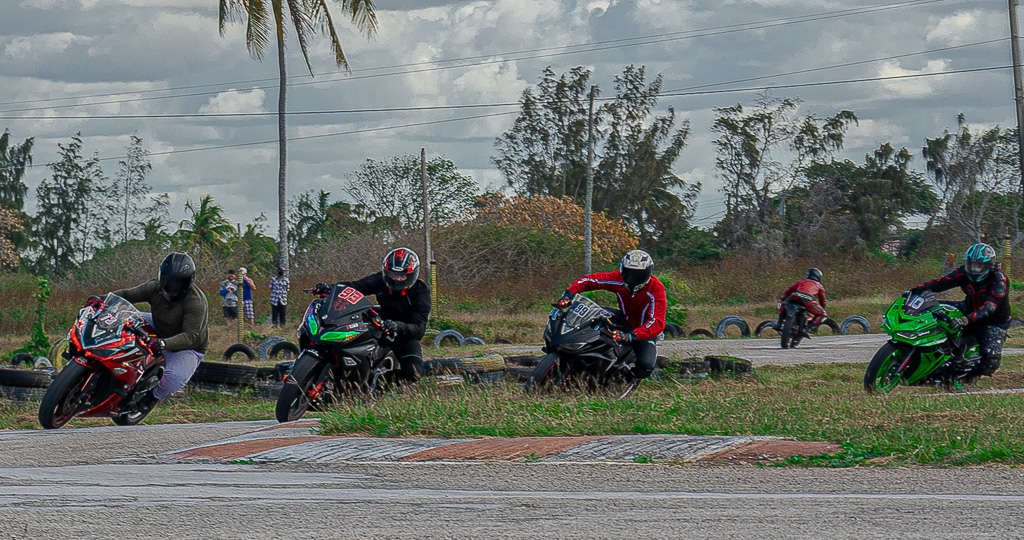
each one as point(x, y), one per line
point(443, 323)
point(205, 227)
point(676, 291)
point(643, 459)
point(391, 192)
point(38, 344)
point(71, 197)
point(314, 219)
point(545, 151)
point(14, 159)
point(130, 199)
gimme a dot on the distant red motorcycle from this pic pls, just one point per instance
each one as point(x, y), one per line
point(110, 367)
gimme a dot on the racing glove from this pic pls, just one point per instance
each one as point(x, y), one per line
point(390, 328)
point(156, 346)
point(564, 301)
point(94, 302)
point(622, 337)
point(322, 289)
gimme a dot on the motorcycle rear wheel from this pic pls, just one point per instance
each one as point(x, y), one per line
point(64, 396)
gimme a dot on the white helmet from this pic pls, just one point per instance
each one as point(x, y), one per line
point(636, 268)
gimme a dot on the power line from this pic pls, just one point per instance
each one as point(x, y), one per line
point(730, 29)
point(836, 13)
point(669, 93)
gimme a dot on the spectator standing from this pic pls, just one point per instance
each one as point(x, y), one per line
point(229, 296)
point(247, 288)
point(278, 297)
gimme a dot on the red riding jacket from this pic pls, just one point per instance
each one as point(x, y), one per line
point(808, 287)
point(644, 310)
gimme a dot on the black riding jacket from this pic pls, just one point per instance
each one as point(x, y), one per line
point(410, 308)
point(987, 301)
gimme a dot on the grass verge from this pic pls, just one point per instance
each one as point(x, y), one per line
point(193, 408)
point(809, 402)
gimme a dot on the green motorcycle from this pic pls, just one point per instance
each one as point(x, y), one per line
point(927, 345)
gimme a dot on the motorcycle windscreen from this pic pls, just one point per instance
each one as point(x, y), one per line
point(343, 305)
point(920, 303)
point(105, 325)
point(583, 312)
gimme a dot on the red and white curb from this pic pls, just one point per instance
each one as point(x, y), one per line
point(295, 442)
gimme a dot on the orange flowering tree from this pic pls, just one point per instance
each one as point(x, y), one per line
point(558, 215)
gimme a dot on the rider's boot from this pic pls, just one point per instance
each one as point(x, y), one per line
point(147, 402)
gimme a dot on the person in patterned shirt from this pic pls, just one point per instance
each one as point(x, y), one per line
point(278, 297)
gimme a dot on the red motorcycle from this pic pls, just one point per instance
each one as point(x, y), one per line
point(110, 367)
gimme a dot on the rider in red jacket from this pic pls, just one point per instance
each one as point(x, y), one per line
point(810, 293)
point(641, 301)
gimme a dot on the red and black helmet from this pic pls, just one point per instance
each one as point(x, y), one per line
point(400, 269)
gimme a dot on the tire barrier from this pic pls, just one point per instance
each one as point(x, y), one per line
point(473, 340)
point(29, 378)
point(700, 332)
point(832, 325)
point(673, 330)
point(844, 327)
point(263, 349)
point(239, 348)
point(283, 350)
point(766, 324)
point(732, 320)
point(451, 334)
point(229, 374)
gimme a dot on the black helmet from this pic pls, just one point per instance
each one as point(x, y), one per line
point(176, 275)
point(978, 261)
point(400, 269)
point(636, 268)
point(814, 274)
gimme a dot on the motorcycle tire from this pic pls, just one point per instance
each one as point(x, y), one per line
point(833, 326)
point(68, 385)
point(544, 373)
point(293, 402)
point(131, 418)
point(880, 365)
point(788, 327)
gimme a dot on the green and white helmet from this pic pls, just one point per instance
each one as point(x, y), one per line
point(978, 261)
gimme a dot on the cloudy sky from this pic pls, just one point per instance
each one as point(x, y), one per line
point(145, 50)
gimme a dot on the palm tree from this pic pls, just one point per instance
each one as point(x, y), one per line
point(205, 226)
point(308, 17)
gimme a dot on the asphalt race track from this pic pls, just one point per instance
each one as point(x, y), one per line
point(117, 482)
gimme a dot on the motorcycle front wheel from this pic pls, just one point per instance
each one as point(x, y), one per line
point(63, 399)
point(883, 372)
point(294, 399)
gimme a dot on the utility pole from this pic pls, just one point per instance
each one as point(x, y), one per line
point(427, 255)
point(588, 234)
point(1018, 88)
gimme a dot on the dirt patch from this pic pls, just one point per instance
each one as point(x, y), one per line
point(767, 451)
point(500, 448)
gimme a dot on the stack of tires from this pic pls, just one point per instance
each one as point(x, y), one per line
point(231, 377)
point(23, 384)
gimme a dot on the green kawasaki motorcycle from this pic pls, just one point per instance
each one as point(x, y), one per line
point(926, 346)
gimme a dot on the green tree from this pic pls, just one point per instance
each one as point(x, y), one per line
point(130, 197)
point(391, 192)
point(205, 227)
point(315, 218)
point(967, 169)
point(545, 150)
point(308, 18)
point(14, 158)
point(64, 232)
point(762, 152)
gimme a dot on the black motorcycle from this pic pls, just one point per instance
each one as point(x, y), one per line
point(580, 351)
point(345, 350)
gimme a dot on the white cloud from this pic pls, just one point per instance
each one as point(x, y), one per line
point(912, 87)
point(967, 26)
point(39, 46)
point(234, 101)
